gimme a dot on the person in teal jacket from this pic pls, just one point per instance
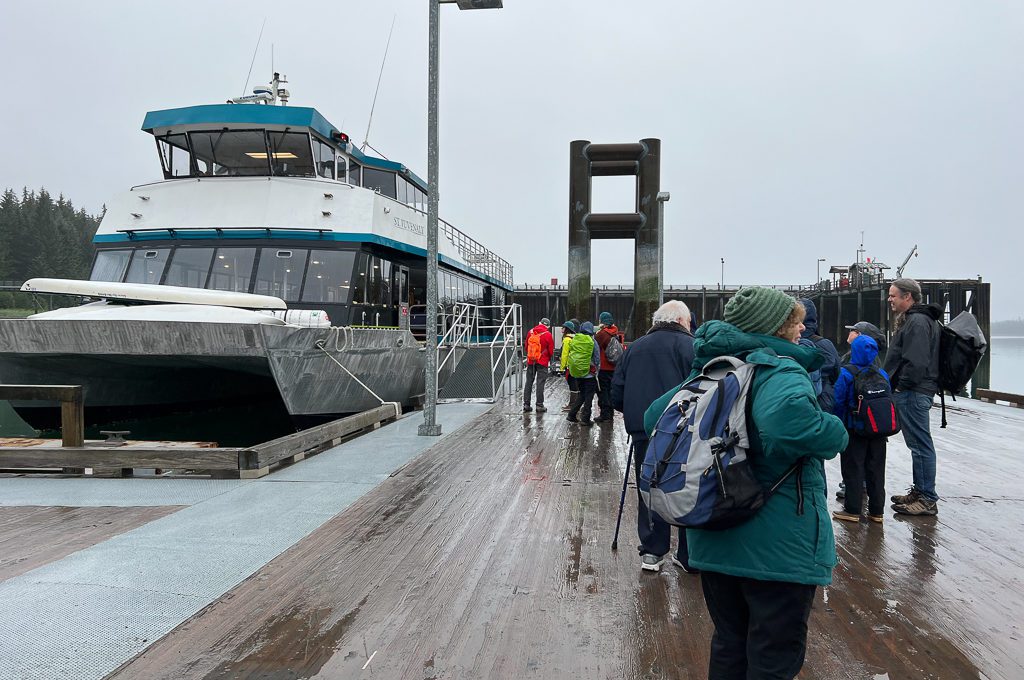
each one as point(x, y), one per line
point(759, 578)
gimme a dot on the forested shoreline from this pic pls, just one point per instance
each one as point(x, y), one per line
point(43, 236)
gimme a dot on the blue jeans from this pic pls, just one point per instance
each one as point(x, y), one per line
point(654, 540)
point(913, 409)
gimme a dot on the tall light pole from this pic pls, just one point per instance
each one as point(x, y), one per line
point(663, 197)
point(430, 426)
point(723, 274)
point(817, 284)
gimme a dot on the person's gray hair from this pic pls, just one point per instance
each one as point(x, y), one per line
point(909, 286)
point(673, 311)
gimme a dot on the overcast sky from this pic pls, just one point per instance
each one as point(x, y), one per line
point(787, 128)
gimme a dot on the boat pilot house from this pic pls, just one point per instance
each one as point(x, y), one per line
point(274, 200)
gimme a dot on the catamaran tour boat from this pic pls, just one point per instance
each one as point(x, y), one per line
point(274, 260)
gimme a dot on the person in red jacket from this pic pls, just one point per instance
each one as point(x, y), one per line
point(608, 330)
point(539, 347)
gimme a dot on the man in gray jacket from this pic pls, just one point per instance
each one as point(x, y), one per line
point(913, 367)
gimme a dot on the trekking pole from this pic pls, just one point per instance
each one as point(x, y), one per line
point(622, 498)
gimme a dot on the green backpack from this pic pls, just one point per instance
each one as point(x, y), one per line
point(581, 350)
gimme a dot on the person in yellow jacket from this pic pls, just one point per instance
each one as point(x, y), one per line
point(569, 329)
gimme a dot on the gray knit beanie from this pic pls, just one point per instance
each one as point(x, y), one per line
point(759, 310)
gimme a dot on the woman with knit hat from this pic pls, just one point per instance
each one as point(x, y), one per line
point(760, 578)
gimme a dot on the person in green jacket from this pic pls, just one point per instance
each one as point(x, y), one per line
point(759, 578)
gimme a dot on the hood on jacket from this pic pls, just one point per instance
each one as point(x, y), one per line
point(539, 328)
point(863, 351)
point(931, 309)
point(718, 338)
point(587, 328)
point(811, 320)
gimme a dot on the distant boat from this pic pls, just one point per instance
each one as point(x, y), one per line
point(274, 261)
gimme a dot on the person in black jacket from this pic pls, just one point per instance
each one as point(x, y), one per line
point(913, 367)
point(650, 366)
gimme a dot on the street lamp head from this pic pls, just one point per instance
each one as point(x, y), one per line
point(479, 4)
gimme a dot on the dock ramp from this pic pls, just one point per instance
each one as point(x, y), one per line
point(479, 357)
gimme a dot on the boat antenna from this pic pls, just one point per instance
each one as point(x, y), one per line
point(373, 105)
point(249, 75)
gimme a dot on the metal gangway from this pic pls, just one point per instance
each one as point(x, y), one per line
point(479, 357)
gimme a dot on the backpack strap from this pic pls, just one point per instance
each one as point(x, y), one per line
point(942, 398)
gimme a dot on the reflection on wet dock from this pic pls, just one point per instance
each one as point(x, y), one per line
point(489, 557)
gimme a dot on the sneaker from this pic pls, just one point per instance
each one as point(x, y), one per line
point(651, 562)
point(541, 409)
point(586, 421)
point(571, 418)
point(877, 519)
point(845, 516)
point(909, 497)
point(685, 567)
point(921, 506)
point(527, 409)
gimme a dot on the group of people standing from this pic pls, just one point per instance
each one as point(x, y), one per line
point(759, 578)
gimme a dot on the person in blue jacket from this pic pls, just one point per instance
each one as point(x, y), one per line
point(863, 460)
point(824, 378)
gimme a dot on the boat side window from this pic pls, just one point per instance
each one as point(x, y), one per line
point(359, 279)
point(328, 277)
point(189, 267)
point(324, 158)
point(421, 200)
point(230, 153)
point(110, 265)
point(379, 180)
point(291, 154)
point(232, 269)
point(354, 173)
point(174, 156)
point(280, 272)
point(147, 266)
point(384, 296)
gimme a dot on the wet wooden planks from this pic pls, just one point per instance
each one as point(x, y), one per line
point(32, 536)
point(489, 557)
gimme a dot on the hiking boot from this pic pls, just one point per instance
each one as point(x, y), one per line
point(845, 516)
point(541, 409)
point(877, 519)
point(651, 562)
point(684, 566)
point(921, 506)
point(586, 421)
point(909, 497)
point(571, 418)
point(841, 494)
point(527, 409)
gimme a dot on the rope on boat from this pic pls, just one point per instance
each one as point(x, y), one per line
point(319, 344)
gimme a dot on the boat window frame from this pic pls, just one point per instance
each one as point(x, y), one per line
point(252, 267)
point(168, 170)
point(195, 165)
point(309, 146)
point(278, 249)
point(124, 270)
point(174, 252)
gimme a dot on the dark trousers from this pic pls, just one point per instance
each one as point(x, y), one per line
point(760, 627)
point(540, 374)
point(654, 533)
point(585, 401)
point(604, 396)
point(863, 465)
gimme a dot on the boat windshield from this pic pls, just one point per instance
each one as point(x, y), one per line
point(237, 153)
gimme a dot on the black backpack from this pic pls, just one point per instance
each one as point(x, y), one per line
point(961, 347)
point(872, 414)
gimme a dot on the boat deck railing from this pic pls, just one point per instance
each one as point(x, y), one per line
point(480, 351)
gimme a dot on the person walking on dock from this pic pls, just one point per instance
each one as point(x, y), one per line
point(584, 358)
point(569, 329)
point(540, 347)
point(607, 331)
point(913, 365)
point(759, 578)
point(653, 364)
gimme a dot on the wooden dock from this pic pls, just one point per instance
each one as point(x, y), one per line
point(489, 557)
